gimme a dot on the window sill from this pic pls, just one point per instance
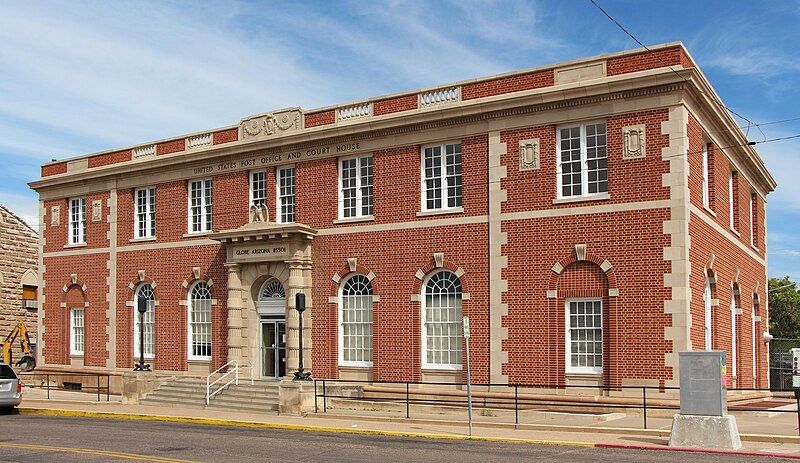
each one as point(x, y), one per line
point(735, 232)
point(355, 366)
point(708, 209)
point(146, 357)
point(451, 210)
point(144, 239)
point(197, 234)
point(583, 373)
point(441, 369)
point(76, 356)
point(578, 199)
point(755, 248)
point(199, 360)
point(366, 218)
point(77, 245)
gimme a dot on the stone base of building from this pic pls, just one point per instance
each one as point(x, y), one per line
point(296, 397)
point(706, 432)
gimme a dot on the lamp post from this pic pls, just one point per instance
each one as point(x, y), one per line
point(141, 307)
point(300, 306)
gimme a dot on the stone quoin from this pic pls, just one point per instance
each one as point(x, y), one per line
point(592, 219)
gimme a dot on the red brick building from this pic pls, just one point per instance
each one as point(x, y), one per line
point(592, 218)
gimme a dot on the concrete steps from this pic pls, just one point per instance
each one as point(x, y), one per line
point(259, 397)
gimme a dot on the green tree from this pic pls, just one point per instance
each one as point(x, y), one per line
point(784, 308)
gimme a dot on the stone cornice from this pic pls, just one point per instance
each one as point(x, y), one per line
point(619, 87)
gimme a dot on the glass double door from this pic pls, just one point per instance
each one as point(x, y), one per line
point(273, 348)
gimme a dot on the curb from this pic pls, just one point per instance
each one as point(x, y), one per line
point(290, 427)
point(376, 432)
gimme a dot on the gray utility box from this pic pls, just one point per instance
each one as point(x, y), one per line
point(702, 391)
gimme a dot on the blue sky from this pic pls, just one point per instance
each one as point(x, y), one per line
point(82, 77)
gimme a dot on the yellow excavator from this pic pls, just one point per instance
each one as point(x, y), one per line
point(28, 361)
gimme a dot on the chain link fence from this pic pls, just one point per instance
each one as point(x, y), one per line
point(780, 362)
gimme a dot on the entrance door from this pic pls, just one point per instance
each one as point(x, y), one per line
point(273, 348)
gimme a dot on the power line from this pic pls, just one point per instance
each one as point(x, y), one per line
point(722, 105)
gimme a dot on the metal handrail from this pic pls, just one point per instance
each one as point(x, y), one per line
point(250, 369)
point(210, 383)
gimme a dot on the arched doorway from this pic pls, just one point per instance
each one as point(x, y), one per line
point(271, 306)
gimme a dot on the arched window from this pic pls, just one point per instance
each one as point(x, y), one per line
point(707, 313)
point(735, 306)
point(145, 292)
point(200, 321)
point(271, 298)
point(355, 319)
point(441, 320)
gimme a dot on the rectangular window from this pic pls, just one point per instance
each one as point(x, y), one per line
point(258, 187)
point(77, 221)
point(706, 185)
point(76, 329)
point(583, 160)
point(753, 221)
point(145, 213)
point(286, 187)
point(200, 206)
point(357, 330)
point(355, 187)
point(200, 329)
point(584, 336)
point(149, 331)
point(441, 177)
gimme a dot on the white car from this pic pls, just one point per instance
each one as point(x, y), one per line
point(10, 387)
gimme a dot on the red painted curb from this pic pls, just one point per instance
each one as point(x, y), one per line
point(686, 449)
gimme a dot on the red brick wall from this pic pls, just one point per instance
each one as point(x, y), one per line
point(54, 169)
point(96, 232)
point(394, 105)
point(225, 136)
point(320, 118)
point(625, 178)
point(168, 268)
point(510, 84)
point(634, 342)
point(394, 257)
point(172, 146)
point(109, 158)
point(648, 60)
point(728, 259)
point(57, 318)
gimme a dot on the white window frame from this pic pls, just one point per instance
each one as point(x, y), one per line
point(584, 161)
point(151, 308)
point(706, 183)
point(359, 187)
point(753, 335)
point(80, 236)
point(752, 223)
point(206, 206)
point(190, 324)
point(731, 203)
point(734, 362)
point(707, 329)
point(569, 368)
point(444, 179)
point(279, 199)
point(355, 363)
point(149, 213)
point(73, 328)
point(424, 324)
point(253, 174)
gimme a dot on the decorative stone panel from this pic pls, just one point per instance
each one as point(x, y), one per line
point(633, 142)
point(271, 124)
point(55, 216)
point(529, 154)
point(97, 210)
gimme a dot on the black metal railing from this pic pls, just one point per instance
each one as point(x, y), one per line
point(97, 382)
point(521, 397)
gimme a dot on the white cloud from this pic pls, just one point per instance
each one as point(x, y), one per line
point(25, 206)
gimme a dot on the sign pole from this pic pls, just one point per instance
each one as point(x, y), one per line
point(469, 380)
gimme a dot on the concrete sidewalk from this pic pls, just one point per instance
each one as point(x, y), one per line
point(424, 427)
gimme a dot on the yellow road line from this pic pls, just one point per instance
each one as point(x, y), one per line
point(95, 452)
point(291, 427)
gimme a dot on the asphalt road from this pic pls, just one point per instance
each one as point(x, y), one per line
point(31, 438)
